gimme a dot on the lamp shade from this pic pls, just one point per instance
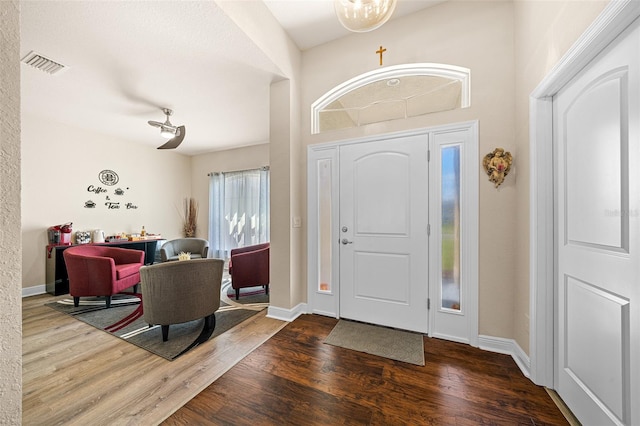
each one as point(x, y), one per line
point(363, 15)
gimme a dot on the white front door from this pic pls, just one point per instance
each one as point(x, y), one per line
point(597, 149)
point(383, 232)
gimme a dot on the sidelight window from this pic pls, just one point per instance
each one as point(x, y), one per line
point(450, 227)
point(324, 224)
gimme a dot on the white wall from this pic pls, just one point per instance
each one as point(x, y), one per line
point(10, 244)
point(251, 157)
point(544, 31)
point(60, 162)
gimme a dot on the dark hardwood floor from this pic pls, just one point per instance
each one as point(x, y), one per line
point(296, 379)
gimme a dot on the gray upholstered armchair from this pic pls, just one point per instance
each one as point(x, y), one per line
point(177, 292)
point(198, 248)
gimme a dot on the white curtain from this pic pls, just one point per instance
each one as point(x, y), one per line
point(238, 210)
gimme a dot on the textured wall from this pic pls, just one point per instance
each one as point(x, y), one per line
point(10, 243)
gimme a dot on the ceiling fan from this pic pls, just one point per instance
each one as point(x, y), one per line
point(168, 130)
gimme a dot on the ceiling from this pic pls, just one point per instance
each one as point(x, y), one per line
point(126, 60)
point(311, 23)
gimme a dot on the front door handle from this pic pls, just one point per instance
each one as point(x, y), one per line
point(345, 241)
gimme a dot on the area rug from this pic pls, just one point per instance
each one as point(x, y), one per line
point(386, 342)
point(124, 319)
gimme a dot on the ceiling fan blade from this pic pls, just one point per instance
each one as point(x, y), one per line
point(177, 140)
point(155, 123)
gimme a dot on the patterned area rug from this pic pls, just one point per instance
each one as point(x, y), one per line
point(124, 319)
point(405, 346)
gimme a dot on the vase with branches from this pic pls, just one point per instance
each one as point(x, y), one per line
point(190, 217)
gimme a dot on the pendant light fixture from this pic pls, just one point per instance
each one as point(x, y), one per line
point(363, 15)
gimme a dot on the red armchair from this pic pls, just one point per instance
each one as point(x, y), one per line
point(101, 270)
point(249, 267)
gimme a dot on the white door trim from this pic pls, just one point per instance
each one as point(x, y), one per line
point(613, 20)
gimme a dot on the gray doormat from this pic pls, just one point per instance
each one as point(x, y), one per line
point(405, 346)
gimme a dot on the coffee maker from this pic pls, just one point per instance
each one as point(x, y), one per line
point(60, 235)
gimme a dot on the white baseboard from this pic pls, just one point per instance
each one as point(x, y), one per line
point(508, 347)
point(288, 315)
point(34, 291)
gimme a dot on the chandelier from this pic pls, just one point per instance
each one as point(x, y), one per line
point(363, 15)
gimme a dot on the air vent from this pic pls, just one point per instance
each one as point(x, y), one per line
point(43, 63)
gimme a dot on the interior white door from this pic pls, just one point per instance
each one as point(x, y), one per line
point(383, 232)
point(597, 150)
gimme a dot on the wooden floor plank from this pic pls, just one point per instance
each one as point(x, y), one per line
point(294, 378)
point(75, 374)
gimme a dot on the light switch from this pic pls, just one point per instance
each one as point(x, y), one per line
point(297, 221)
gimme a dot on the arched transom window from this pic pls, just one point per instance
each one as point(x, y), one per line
point(391, 93)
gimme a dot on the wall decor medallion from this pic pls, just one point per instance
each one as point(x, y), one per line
point(108, 177)
point(497, 164)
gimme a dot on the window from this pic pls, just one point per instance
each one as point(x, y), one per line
point(238, 210)
point(325, 226)
point(450, 203)
point(392, 93)
point(455, 170)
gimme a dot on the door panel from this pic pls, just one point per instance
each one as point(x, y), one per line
point(374, 271)
point(592, 311)
point(600, 105)
point(375, 215)
point(598, 258)
point(383, 220)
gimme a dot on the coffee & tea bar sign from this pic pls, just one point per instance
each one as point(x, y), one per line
point(107, 193)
